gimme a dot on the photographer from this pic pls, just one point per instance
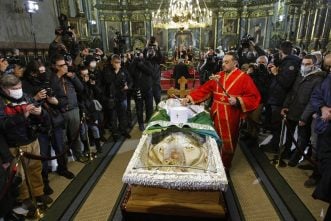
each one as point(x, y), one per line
point(282, 79)
point(36, 83)
point(20, 121)
point(65, 41)
point(119, 43)
point(66, 86)
point(248, 52)
point(114, 87)
point(153, 56)
point(141, 71)
point(91, 63)
point(209, 66)
point(90, 108)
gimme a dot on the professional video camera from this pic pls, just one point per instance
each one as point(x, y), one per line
point(246, 39)
point(13, 60)
point(64, 29)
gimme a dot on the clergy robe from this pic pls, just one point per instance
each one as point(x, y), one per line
point(225, 116)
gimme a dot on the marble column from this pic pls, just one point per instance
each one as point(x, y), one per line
point(243, 25)
point(103, 33)
point(310, 26)
point(296, 20)
point(320, 21)
point(219, 24)
point(326, 29)
point(148, 22)
point(126, 30)
point(303, 24)
point(290, 16)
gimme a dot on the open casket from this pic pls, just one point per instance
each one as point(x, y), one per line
point(176, 168)
point(178, 155)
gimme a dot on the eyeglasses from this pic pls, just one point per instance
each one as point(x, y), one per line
point(61, 65)
point(306, 64)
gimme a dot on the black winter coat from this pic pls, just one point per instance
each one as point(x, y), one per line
point(297, 100)
point(282, 83)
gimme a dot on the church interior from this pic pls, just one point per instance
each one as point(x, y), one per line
point(143, 173)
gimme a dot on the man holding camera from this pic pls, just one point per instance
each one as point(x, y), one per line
point(249, 51)
point(114, 86)
point(283, 77)
point(209, 67)
point(20, 121)
point(66, 83)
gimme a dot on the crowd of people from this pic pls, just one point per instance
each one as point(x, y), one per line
point(293, 88)
point(67, 103)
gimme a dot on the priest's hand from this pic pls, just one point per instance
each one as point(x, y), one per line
point(232, 101)
point(185, 101)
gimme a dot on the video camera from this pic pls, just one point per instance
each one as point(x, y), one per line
point(246, 39)
point(119, 38)
point(92, 76)
point(13, 60)
point(64, 29)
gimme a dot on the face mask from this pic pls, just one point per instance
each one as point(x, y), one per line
point(93, 64)
point(16, 94)
point(305, 70)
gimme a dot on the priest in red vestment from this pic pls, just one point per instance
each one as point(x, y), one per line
point(234, 93)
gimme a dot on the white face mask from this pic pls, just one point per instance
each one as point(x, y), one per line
point(16, 94)
point(93, 64)
point(304, 70)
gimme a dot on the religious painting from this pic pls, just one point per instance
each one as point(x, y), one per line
point(196, 38)
point(171, 39)
point(138, 28)
point(219, 32)
point(183, 38)
point(229, 41)
point(257, 29)
point(207, 38)
point(79, 27)
point(111, 29)
point(160, 37)
point(230, 25)
point(138, 43)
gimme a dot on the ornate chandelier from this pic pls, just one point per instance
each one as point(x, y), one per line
point(182, 14)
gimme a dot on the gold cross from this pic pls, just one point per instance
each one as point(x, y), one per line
point(182, 92)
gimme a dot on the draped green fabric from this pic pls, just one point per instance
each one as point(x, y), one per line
point(201, 124)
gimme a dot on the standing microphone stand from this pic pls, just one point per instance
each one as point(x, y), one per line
point(91, 156)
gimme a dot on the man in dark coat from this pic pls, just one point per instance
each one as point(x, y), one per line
point(298, 109)
point(281, 83)
point(321, 102)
